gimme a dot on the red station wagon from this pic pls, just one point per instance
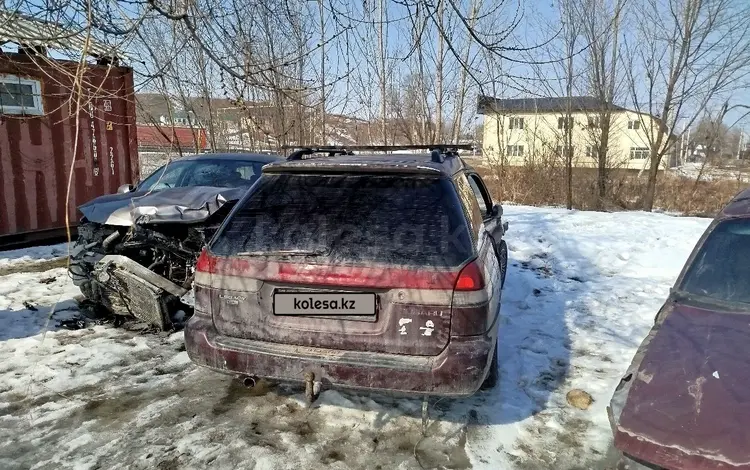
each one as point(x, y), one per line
point(684, 403)
point(367, 271)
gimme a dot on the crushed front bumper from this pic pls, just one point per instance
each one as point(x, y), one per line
point(458, 371)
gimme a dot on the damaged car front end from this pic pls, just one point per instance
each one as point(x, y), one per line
point(684, 402)
point(136, 251)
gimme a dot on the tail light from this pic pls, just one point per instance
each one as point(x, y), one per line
point(470, 278)
point(205, 265)
point(470, 308)
point(382, 277)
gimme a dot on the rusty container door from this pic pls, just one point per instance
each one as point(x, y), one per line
point(37, 151)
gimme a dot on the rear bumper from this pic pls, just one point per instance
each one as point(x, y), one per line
point(458, 371)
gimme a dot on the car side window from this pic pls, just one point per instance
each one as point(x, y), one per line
point(480, 192)
point(469, 203)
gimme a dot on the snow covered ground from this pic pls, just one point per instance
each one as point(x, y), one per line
point(709, 172)
point(39, 256)
point(581, 292)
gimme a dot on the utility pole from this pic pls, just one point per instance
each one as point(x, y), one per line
point(739, 146)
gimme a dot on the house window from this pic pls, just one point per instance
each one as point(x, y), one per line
point(634, 125)
point(516, 123)
point(592, 151)
point(565, 123)
point(563, 150)
point(20, 95)
point(594, 121)
point(515, 150)
point(639, 153)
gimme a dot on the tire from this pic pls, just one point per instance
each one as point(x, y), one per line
point(630, 463)
point(494, 374)
point(502, 257)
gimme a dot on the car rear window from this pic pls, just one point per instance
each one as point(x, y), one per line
point(721, 270)
point(350, 219)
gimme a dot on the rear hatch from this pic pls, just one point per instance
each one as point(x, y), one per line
point(342, 261)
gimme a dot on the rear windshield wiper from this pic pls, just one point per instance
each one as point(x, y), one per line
point(282, 253)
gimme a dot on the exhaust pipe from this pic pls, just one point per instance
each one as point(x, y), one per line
point(248, 381)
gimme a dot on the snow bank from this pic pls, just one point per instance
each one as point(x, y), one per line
point(33, 254)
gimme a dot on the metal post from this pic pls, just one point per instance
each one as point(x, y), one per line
point(739, 146)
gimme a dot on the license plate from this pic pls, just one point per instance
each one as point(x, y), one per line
point(330, 303)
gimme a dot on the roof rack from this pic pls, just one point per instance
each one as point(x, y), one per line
point(331, 150)
point(438, 152)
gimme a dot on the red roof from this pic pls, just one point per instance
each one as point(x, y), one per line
point(171, 137)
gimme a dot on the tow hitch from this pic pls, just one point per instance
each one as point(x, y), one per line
point(312, 387)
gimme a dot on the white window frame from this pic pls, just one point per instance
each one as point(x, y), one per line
point(640, 153)
point(516, 123)
point(564, 123)
point(634, 125)
point(592, 151)
point(36, 86)
point(515, 150)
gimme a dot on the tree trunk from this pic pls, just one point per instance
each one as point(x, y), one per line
point(568, 129)
point(601, 174)
point(456, 134)
point(650, 195)
point(606, 119)
point(439, 73)
point(323, 137)
point(381, 48)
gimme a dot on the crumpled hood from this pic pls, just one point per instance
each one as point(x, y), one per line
point(175, 205)
point(687, 402)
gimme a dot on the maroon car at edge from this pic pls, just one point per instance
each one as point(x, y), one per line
point(376, 272)
point(684, 403)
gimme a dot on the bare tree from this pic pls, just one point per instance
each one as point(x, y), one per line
point(570, 35)
point(475, 6)
point(383, 79)
point(600, 26)
point(685, 55)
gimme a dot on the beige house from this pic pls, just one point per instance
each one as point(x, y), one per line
point(526, 130)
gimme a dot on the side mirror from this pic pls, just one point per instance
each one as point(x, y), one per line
point(497, 210)
point(125, 188)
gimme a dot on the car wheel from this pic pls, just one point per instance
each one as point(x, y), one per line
point(617, 460)
point(502, 257)
point(494, 374)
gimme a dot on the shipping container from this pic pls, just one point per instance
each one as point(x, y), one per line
point(38, 133)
